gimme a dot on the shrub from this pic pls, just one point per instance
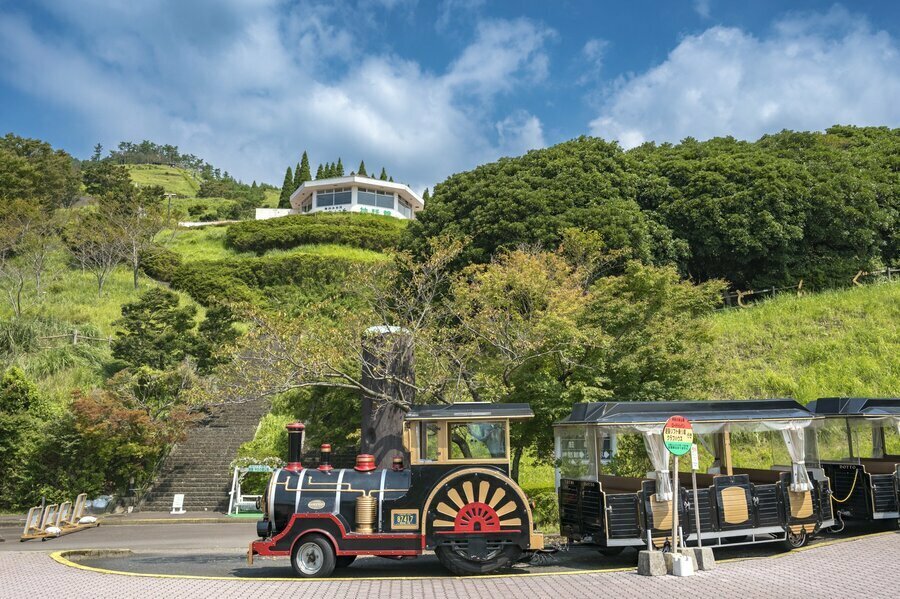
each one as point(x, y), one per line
point(160, 263)
point(366, 231)
point(212, 281)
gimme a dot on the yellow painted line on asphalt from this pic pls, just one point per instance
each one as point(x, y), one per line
point(61, 558)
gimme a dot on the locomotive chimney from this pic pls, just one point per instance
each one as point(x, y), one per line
point(295, 446)
point(325, 457)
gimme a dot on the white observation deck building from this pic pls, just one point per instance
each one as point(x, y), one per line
point(353, 193)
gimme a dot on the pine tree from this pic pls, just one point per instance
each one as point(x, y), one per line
point(287, 188)
point(391, 179)
point(383, 175)
point(305, 175)
point(339, 171)
point(362, 169)
point(297, 180)
point(320, 173)
point(426, 196)
point(98, 152)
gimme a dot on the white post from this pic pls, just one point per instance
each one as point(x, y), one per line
point(675, 507)
point(233, 490)
point(694, 465)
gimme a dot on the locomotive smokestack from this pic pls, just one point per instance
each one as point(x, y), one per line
point(325, 459)
point(295, 445)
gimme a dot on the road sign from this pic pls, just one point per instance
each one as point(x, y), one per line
point(678, 435)
point(178, 504)
point(695, 459)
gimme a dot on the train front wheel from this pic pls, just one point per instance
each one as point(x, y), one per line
point(461, 563)
point(313, 557)
point(796, 540)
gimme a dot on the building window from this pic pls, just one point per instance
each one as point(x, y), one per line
point(404, 208)
point(333, 197)
point(371, 197)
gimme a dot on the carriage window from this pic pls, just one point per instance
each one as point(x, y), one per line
point(477, 440)
point(576, 453)
point(428, 441)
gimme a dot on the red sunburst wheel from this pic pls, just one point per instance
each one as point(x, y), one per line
point(476, 517)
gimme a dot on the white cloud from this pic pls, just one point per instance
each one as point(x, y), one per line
point(452, 10)
point(592, 54)
point(813, 71)
point(520, 132)
point(258, 86)
point(703, 8)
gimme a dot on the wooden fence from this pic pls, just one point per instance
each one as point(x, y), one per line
point(735, 299)
point(74, 338)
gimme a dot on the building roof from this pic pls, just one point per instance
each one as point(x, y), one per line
point(471, 411)
point(306, 189)
point(657, 412)
point(855, 406)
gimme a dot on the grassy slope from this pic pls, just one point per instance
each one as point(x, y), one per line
point(173, 180)
point(834, 343)
point(207, 243)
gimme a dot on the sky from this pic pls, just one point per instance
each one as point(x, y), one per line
point(430, 88)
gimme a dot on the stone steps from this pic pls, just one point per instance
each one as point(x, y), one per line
point(199, 466)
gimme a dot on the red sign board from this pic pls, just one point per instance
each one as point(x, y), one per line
point(678, 435)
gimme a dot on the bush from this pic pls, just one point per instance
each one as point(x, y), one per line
point(160, 263)
point(366, 231)
point(212, 281)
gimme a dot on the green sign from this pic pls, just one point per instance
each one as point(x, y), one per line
point(678, 435)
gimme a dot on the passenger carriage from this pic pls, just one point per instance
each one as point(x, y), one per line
point(860, 446)
point(737, 505)
point(450, 492)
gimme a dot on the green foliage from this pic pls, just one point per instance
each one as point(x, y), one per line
point(155, 330)
point(831, 344)
point(17, 393)
point(361, 171)
point(287, 188)
point(108, 181)
point(365, 231)
point(302, 174)
point(308, 276)
point(791, 206)
point(216, 335)
point(383, 176)
point(181, 182)
point(160, 263)
point(32, 170)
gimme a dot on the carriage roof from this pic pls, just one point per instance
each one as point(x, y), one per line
point(657, 412)
point(855, 406)
point(471, 411)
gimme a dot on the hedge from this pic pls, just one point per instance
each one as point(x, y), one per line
point(365, 231)
point(240, 280)
point(160, 263)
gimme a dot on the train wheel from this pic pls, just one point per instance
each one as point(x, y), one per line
point(313, 557)
point(462, 563)
point(796, 540)
point(342, 561)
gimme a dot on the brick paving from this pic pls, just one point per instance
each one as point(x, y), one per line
point(862, 567)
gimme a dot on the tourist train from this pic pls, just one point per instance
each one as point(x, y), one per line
point(451, 490)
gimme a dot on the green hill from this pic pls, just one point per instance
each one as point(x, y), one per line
point(173, 180)
point(843, 343)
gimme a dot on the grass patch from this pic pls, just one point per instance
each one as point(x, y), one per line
point(173, 180)
point(835, 343)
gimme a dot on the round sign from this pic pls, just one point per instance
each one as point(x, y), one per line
point(678, 435)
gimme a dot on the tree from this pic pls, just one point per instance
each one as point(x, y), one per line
point(155, 330)
point(287, 188)
point(361, 171)
point(297, 180)
point(98, 153)
point(339, 168)
point(32, 170)
point(216, 338)
point(107, 181)
point(96, 244)
point(28, 236)
point(304, 173)
point(383, 175)
point(320, 173)
point(137, 225)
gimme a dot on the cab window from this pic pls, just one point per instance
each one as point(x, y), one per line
point(477, 440)
point(428, 441)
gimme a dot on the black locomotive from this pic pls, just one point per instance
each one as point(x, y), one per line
point(453, 495)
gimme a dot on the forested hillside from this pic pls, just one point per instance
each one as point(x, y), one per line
point(790, 206)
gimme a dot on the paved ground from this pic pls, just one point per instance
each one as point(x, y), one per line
point(860, 567)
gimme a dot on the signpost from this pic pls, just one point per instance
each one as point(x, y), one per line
point(695, 465)
point(678, 437)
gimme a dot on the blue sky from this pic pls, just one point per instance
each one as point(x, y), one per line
point(432, 88)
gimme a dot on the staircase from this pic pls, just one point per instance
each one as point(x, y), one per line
point(199, 466)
